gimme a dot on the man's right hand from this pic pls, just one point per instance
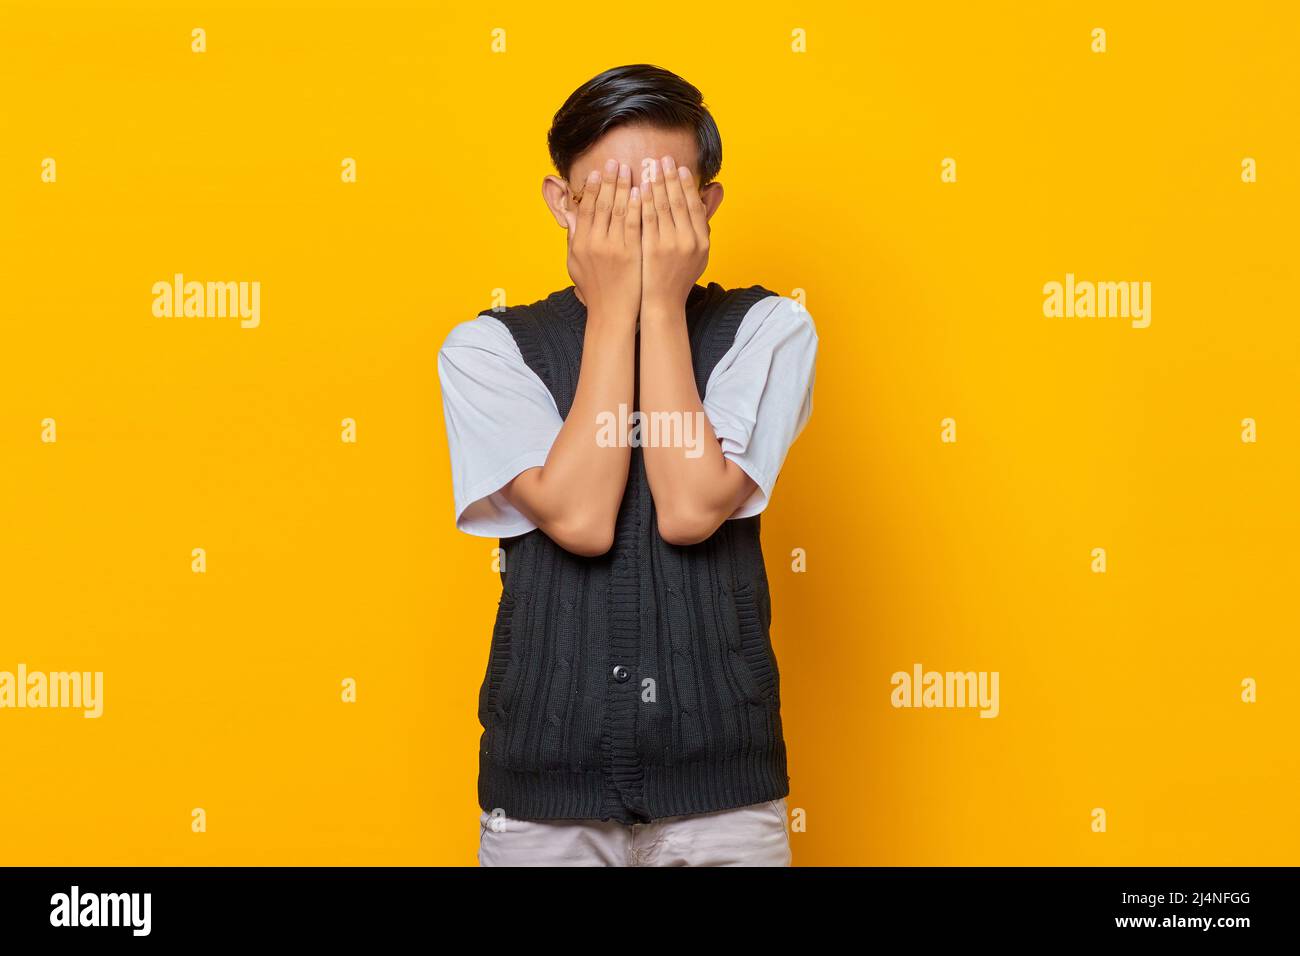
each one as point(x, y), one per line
point(605, 243)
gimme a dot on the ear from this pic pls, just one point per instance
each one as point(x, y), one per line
point(556, 192)
point(711, 196)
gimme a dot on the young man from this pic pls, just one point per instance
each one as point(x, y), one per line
point(621, 437)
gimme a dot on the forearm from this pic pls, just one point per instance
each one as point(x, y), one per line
point(574, 497)
point(694, 486)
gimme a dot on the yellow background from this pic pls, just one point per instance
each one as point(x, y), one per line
point(328, 560)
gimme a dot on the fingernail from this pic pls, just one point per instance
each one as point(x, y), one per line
point(683, 172)
point(634, 195)
point(594, 176)
point(668, 164)
point(624, 171)
point(611, 166)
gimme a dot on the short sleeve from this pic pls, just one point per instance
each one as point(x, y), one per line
point(501, 420)
point(759, 396)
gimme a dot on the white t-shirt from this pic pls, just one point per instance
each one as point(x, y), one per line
point(501, 418)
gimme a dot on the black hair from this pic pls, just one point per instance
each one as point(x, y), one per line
point(638, 93)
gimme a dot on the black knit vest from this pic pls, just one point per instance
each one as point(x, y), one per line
point(641, 683)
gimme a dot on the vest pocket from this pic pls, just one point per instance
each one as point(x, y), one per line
point(755, 649)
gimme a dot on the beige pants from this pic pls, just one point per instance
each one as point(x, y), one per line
point(756, 835)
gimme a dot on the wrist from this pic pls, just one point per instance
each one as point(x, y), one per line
point(662, 309)
point(612, 314)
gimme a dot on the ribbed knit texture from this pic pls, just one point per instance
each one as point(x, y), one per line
point(562, 737)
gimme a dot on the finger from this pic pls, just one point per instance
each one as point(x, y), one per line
point(663, 209)
point(676, 198)
point(632, 221)
point(648, 167)
point(694, 204)
point(587, 207)
point(572, 198)
point(605, 198)
point(621, 191)
point(649, 217)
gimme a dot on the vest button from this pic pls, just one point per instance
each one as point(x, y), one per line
point(621, 674)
